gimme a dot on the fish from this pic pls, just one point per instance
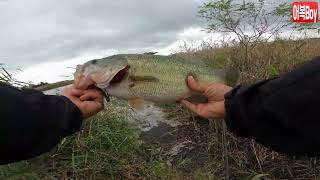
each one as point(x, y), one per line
point(148, 77)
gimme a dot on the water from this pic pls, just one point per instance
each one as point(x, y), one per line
point(151, 117)
point(148, 118)
point(56, 91)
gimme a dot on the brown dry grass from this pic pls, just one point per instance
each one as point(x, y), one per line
point(265, 58)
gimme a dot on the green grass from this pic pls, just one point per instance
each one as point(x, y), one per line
point(107, 147)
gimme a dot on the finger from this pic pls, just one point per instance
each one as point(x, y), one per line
point(189, 105)
point(80, 82)
point(77, 92)
point(91, 95)
point(88, 96)
point(77, 79)
point(95, 107)
point(90, 108)
point(83, 82)
point(195, 86)
point(71, 91)
point(100, 106)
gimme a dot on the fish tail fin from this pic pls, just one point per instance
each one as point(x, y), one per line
point(232, 77)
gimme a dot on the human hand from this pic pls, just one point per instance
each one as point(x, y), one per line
point(215, 92)
point(90, 101)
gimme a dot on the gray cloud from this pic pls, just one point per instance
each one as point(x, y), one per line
point(37, 31)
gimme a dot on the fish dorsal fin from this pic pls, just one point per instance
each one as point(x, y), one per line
point(137, 103)
point(143, 79)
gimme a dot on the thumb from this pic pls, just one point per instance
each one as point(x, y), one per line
point(189, 105)
point(200, 109)
point(197, 108)
point(195, 86)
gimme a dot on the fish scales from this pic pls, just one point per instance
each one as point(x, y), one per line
point(170, 73)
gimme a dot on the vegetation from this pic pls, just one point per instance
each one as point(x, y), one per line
point(109, 147)
point(7, 78)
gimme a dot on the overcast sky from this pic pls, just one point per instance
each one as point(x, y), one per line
point(45, 37)
point(39, 34)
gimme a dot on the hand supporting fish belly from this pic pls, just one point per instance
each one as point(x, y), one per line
point(154, 78)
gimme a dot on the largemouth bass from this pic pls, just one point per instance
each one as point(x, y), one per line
point(153, 78)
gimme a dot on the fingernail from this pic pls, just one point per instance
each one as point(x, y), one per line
point(190, 78)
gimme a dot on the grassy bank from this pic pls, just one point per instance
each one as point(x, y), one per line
point(109, 147)
point(53, 85)
point(263, 60)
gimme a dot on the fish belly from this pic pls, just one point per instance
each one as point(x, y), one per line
point(163, 92)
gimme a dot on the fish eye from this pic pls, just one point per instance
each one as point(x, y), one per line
point(93, 61)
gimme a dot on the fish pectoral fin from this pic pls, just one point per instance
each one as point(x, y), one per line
point(143, 79)
point(137, 103)
point(197, 98)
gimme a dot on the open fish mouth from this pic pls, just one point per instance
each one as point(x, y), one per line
point(101, 80)
point(122, 74)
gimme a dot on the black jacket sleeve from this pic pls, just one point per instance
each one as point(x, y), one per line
point(32, 123)
point(282, 113)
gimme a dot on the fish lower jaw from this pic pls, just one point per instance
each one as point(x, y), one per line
point(103, 85)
